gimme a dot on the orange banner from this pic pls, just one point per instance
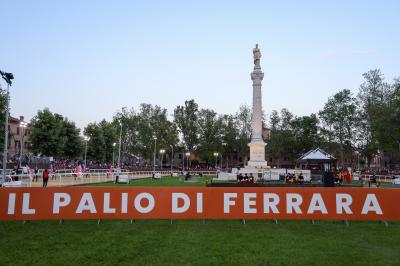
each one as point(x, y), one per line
point(199, 203)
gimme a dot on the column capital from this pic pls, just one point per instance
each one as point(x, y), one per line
point(257, 75)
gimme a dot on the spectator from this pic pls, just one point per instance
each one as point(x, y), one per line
point(36, 176)
point(45, 177)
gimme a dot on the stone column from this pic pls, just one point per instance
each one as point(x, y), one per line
point(256, 123)
point(257, 145)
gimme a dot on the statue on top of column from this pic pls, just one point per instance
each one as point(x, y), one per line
point(257, 56)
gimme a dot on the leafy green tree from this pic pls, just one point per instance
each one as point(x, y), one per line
point(210, 134)
point(54, 135)
point(306, 133)
point(339, 117)
point(140, 128)
point(154, 122)
point(186, 119)
point(281, 143)
point(243, 124)
point(230, 137)
point(130, 143)
point(3, 101)
point(73, 147)
point(102, 137)
point(379, 110)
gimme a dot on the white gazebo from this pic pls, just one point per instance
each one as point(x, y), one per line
point(317, 158)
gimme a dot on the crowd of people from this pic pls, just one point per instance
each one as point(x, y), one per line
point(246, 178)
point(292, 178)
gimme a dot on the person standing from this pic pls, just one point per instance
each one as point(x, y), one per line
point(36, 176)
point(45, 177)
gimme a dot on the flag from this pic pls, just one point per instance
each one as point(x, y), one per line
point(347, 175)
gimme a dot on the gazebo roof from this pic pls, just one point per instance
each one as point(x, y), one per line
point(317, 155)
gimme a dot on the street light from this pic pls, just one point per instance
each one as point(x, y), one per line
point(358, 160)
point(114, 144)
point(224, 145)
point(216, 158)
point(162, 151)
point(22, 125)
point(154, 158)
point(7, 77)
point(379, 159)
point(172, 158)
point(187, 158)
point(86, 139)
point(119, 148)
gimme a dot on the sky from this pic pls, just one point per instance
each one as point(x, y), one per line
point(88, 59)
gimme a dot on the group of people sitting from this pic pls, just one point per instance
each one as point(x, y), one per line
point(292, 178)
point(245, 178)
point(339, 177)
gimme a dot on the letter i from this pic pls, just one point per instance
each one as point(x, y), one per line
point(11, 203)
point(199, 202)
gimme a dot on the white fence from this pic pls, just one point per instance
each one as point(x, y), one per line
point(66, 177)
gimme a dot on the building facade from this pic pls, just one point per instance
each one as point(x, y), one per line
point(18, 143)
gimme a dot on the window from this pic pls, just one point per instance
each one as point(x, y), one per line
point(17, 146)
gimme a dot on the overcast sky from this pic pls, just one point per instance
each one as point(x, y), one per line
point(88, 59)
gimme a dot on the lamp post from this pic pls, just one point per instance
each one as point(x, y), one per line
point(358, 160)
point(172, 158)
point(162, 151)
point(22, 125)
point(223, 145)
point(187, 158)
point(114, 144)
point(119, 148)
point(86, 138)
point(216, 159)
point(154, 157)
point(7, 77)
point(379, 160)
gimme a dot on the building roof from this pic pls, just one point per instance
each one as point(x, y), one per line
point(317, 155)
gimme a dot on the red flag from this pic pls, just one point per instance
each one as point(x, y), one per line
point(347, 175)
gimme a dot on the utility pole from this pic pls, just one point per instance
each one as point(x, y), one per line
point(172, 158)
point(154, 158)
point(119, 149)
point(7, 77)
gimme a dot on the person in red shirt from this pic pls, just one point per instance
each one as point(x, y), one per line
point(45, 177)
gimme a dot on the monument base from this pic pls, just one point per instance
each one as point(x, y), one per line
point(257, 165)
point(257, 155)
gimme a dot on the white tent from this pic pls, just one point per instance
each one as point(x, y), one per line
point(317, 155)
point(317, 158)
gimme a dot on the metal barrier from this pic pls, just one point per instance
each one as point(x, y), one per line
point(65, 178)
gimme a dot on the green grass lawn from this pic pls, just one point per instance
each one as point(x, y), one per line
point(228, 242)
point(157, 242)
point(177, 181)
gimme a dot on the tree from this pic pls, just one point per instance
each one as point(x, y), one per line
point(230, 137)
point(306, 133)
point(3, 101)
point(281, 143)
point(339, 117)
point(186, 119)
point(140, 128)
point(102, 137)
point(210, 134)
point(73, 147)
point(379, 111)
point(54, 135)
point(154, 122)
point(243, 123)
